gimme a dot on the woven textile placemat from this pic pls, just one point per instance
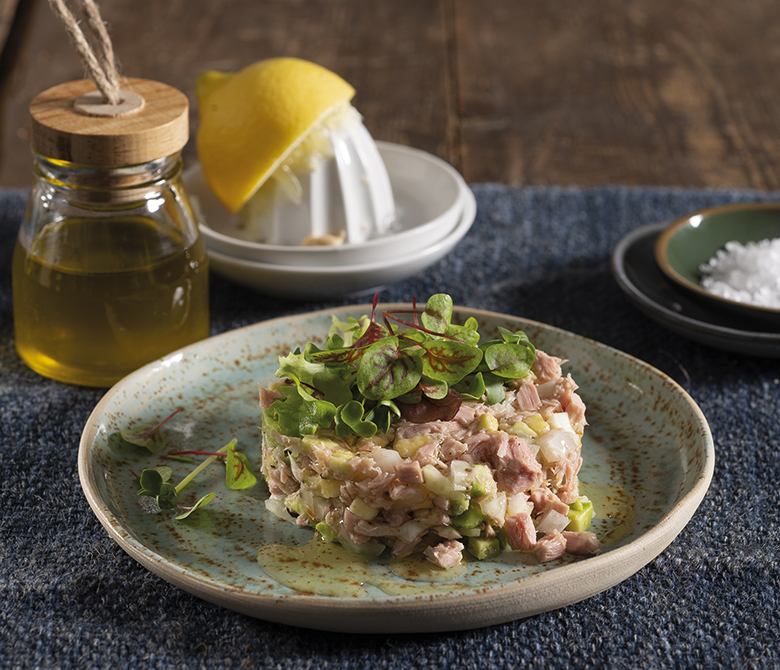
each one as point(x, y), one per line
point(71, 598)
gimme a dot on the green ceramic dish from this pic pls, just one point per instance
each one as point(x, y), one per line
point(691, 241)
point(648, 460)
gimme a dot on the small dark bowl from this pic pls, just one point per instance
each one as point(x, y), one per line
point(692, 240)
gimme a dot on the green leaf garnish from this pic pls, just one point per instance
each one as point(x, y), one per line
point(298, 413)
point(148, 435)
point(238, 472)
point(512, 357)
point(430, 388)
point(202, 502)
point(381, 415)
point(155, 483)
point(449, 361)
point(387, 371)
point(349, 419)
point(494, 389)
point(437, 314)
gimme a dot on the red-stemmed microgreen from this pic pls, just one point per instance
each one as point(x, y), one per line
point(420, 368)
point(201, 502)
point(148, 435)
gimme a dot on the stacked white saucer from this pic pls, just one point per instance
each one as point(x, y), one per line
point(392, 226)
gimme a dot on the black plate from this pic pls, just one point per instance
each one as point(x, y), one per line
point(638, 274)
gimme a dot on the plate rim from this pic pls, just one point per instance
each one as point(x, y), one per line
point(428, 613)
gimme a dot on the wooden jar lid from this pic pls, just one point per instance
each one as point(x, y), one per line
point(133, 132)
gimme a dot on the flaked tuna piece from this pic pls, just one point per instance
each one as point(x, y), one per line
point(428, 454)
point(401, 548)
point(451, 449)
point(544, 500)
point(569, 489)
point(550, 547)
point(564, 398)
point(267, 396)
point(576, 411)
point(408, 431)
point(516, 467)
point(546, 368)
point(527, 398)
point(583, 543)
point(350, 522)
point(520, 531)
point(465, 415)
point(369, 528)
point(282, 481)
point(409, 494)
point(432, 517)
point(363, 467)
point(377, 496)
point(446, 554)
point(395, 516)
point(483, 446)
point(410, 473)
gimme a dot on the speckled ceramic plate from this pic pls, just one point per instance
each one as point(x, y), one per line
point(648, 462)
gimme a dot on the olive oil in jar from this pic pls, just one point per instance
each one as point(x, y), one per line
point(106, 297)
point(109, 271)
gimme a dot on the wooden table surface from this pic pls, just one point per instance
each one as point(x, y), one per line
point(638, 92)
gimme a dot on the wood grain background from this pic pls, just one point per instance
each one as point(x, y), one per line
point(638, 92)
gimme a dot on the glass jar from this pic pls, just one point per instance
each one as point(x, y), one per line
point(109, 271)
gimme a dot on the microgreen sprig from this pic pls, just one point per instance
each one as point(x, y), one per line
point(148, 435)
point(156, 482)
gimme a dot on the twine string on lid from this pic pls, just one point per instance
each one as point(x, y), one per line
point(101, 65)
point(95, 48)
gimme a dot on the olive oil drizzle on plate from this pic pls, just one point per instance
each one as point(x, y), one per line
point(328, 569)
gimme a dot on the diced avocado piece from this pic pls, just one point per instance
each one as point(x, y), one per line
point(459, 505)
point(329, 488)
point(581, 514)
point(487, 423)
point(537, 424)
point(471, 518)
point(408, 448)
point(339, 461)
point(482, 481)
point(294, 503)
point(308, 442)
point(521, 430)
point(326, 532)
point(484, 547)
point(362, 509)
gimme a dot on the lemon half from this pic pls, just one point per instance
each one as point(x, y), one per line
point(251, 120)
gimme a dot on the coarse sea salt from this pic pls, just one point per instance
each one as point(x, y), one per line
point(747, 273)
